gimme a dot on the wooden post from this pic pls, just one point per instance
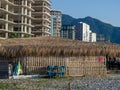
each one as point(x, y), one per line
point(67, 61)
point(69, 87)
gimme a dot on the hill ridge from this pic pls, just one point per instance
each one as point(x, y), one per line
point(109, 31)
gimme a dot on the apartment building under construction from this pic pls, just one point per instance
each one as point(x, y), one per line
point(15, 17)
point(42, 17)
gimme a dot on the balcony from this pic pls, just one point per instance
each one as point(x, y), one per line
point(5, 11)
point(2, 17)
point(41, 12)
point(41, 31)
point(32, 1)
point(42, 25)
point(10, 2)
point(3, 20)
point(38, 7)
point(47, 1)
point(2, 28)
point(38, 19)
point(25, 24)
point(29, 8)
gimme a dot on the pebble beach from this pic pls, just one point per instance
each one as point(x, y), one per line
point(111, 82)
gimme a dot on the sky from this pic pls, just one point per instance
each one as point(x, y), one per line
point(107, 11)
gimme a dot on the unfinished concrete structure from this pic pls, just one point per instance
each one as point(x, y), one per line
point(15, 17)
point(41, 19)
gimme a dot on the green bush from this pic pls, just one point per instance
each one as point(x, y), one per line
point(13, 35)
point(27, 35)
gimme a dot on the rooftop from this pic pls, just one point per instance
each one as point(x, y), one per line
point(45, 46)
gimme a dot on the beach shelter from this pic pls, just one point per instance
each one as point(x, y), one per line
point(18, 69)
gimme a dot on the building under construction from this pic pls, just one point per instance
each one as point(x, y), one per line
point(15, 18)
point(41, 19)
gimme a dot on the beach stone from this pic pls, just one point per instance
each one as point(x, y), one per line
point(86, 83)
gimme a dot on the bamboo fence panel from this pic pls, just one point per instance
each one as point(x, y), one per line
point(79, 66)
point(76, 65)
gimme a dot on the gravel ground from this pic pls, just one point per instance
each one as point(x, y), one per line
point(111, 82)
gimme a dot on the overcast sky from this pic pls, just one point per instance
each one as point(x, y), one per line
point(104, 10)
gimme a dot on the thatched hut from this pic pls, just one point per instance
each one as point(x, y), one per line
point(35, 54)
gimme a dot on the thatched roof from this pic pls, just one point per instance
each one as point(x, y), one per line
point(46, 46)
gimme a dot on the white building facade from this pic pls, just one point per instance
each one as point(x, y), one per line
point(92, 37)
point(84, 33)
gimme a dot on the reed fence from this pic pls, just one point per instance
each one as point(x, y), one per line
point(76, 66)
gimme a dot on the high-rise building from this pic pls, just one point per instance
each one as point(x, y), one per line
point(55, 22)
point(92, 37)
point(67, 31)
point(42, 17)
point(15, 16)
point(84, 33)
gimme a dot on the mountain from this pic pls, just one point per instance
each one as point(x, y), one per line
point(67, 19)
point(110, 32)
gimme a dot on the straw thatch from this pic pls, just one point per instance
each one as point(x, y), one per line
point(50, 46)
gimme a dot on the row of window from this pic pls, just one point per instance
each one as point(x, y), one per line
point(68, 27)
